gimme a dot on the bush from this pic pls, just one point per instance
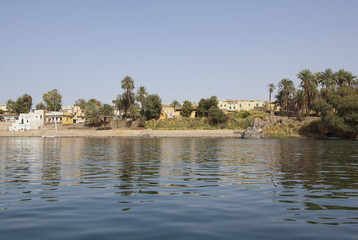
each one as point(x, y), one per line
point(216, 115)
point(141, 122)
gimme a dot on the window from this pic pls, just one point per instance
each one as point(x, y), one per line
point(230, 107)
point(263, 105)
point(234, 107)
point(257, 104)
point(240, 105)
point(249, 104)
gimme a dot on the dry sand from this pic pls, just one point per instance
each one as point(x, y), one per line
point(121, 133)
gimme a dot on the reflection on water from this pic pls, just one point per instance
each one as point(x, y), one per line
point(208, 187)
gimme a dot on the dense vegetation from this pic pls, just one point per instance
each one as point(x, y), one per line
point(331, 95)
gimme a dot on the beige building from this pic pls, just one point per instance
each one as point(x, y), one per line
point(169, 112)
point(241, 105)
point(3, 107)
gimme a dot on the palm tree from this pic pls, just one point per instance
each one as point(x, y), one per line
point(134, 111)
point(287, 87)
point(299, 100)
point(107, 113)
point(271, 87)
point(174, 104)
point(128, 85)
point(308, 81)
point(341, 77)
point(141, 95)
point(327, 79)
point(350, 78)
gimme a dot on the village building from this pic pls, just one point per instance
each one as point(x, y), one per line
point(72, 115)
point(168, 111)
point(3, 108)
point(9, 117)
point(29, 121)
point(241, 105)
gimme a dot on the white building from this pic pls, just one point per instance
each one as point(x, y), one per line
point(29, 121)
point(240, 105)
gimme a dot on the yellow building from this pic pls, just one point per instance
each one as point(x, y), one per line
point(72, 115)
point(169, 112)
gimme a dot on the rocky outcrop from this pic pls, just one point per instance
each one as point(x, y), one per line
point(256, 130)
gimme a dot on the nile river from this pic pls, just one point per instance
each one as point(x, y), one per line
point(93, 188)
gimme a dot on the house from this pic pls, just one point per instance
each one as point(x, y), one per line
point(29, 121)
point(11, 117)
point(51, 117)
point(241, 105)
point(170, 112)
point(72, 115)
point(3, 108)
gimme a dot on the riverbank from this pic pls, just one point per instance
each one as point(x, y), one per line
point(81, 130)
point(122, 133)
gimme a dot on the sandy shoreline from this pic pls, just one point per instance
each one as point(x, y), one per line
point(126, 133)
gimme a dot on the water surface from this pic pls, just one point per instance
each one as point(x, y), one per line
point(93, 188)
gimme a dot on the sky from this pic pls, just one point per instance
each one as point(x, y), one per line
point(178, 49)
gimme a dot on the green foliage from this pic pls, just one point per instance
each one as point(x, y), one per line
point(141, 96)
point(141, 122)
point(2, 111)
point(122, 102)
point(93, 113)
point(40, 106)
point(107, 111)
point(205, 104)
point(152, 106)
point(10, 106)
point(52, 100)
point(97, 113)
point(175, 103)
point(179, 124)
point(81, 102)
point(22, 105)
point(187, 109)
point(339, 111)
point(216, 115)
point(128, 86)
point(134, 111)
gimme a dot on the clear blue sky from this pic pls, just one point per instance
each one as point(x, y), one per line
point(178, 49)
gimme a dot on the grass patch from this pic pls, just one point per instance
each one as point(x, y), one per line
point(238, 120)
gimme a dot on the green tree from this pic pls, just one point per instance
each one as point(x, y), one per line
point(327, 79)
point(271, 87)
point(52, 100)
point(309, 85)
point(205, 104)
point(81, 103)
point(174, 104)
point(10, 106)
point(23, 104)
point(286, 91)
point(107, 113)
point(134, 111)
point(299, 100)
point(141, 95)
point(128, 86)
point(40, 106)
point(216, 115)
point(122, 104)
point(93, 113)
point(187, 109)
point(339, 111)
point(153, 106)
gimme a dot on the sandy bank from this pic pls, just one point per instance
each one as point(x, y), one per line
point(127, 133)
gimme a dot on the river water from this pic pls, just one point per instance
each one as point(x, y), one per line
point(94, 188)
